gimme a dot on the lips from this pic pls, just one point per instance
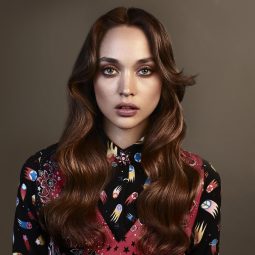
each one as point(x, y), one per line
point(126, 106)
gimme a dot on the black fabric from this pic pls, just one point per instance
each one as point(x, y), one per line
point(39, 181)
point(119, 206)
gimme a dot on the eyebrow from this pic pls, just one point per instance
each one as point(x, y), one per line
point(115, 61)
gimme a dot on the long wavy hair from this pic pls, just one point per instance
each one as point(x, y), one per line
point(70, 219)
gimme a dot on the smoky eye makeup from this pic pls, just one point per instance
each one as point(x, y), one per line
point(148, 70)
point(108, 70)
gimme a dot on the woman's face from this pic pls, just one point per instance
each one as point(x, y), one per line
point(127, 74)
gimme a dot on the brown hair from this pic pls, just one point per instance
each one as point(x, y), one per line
point(163, 205)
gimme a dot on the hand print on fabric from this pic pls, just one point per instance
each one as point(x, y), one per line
point(211, 207)
point(111, 152)
point(131, 174)
point(212, 185)
point(116, 192)
point(116, 213)
point(122, 226)
point(131, 217)
point(103, 196)
point(199, 232)
point(131, 198)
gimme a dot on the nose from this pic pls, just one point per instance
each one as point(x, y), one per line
point(127, 84)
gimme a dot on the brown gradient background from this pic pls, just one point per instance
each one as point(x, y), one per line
point(40, 41)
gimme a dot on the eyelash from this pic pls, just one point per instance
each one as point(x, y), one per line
point(112, 67)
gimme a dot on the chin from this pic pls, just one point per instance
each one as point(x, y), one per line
point(123, 126)
point(126, 124)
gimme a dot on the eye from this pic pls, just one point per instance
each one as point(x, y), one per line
point(145, 71)
point(108, 70)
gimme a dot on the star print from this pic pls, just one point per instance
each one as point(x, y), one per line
point(108, 247)
point(126, 250)
point(116, 248)
point(133, 243)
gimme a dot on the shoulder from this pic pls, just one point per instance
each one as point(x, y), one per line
point(41, 156)
point(204, 166)
point(41, 174)
point(41, 161)
point(209, 202)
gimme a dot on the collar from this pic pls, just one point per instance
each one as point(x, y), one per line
point(118, 156)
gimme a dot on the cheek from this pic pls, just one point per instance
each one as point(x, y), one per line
point(154, 92)
point(103, 95)
point(99, 95)
point(103, 87)
point(99, 90)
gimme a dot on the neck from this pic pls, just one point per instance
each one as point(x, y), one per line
point(124, 137)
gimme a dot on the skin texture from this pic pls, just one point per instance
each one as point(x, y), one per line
point(140, 81)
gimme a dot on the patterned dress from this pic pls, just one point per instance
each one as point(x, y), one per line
point(41, 181)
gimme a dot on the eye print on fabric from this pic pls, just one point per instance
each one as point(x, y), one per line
point(103, 196)
point(23, 191)
point(131, 198)
point(210, 206)
point(116, 213)
point(137, 157)
point(25, 224)
point(30, 174)
point(131, 174)
point(212, 185)
point(213, 245)
point(116, 191)
point(25, 239)
point(199, 232)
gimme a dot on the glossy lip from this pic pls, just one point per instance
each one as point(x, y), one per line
point(126, 112)
point(132, 106)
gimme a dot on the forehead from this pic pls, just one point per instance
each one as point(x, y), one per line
point(125, 43)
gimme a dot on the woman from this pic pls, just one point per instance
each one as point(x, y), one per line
point(118, 181)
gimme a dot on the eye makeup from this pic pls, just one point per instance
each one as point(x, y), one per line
point(114, 70)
